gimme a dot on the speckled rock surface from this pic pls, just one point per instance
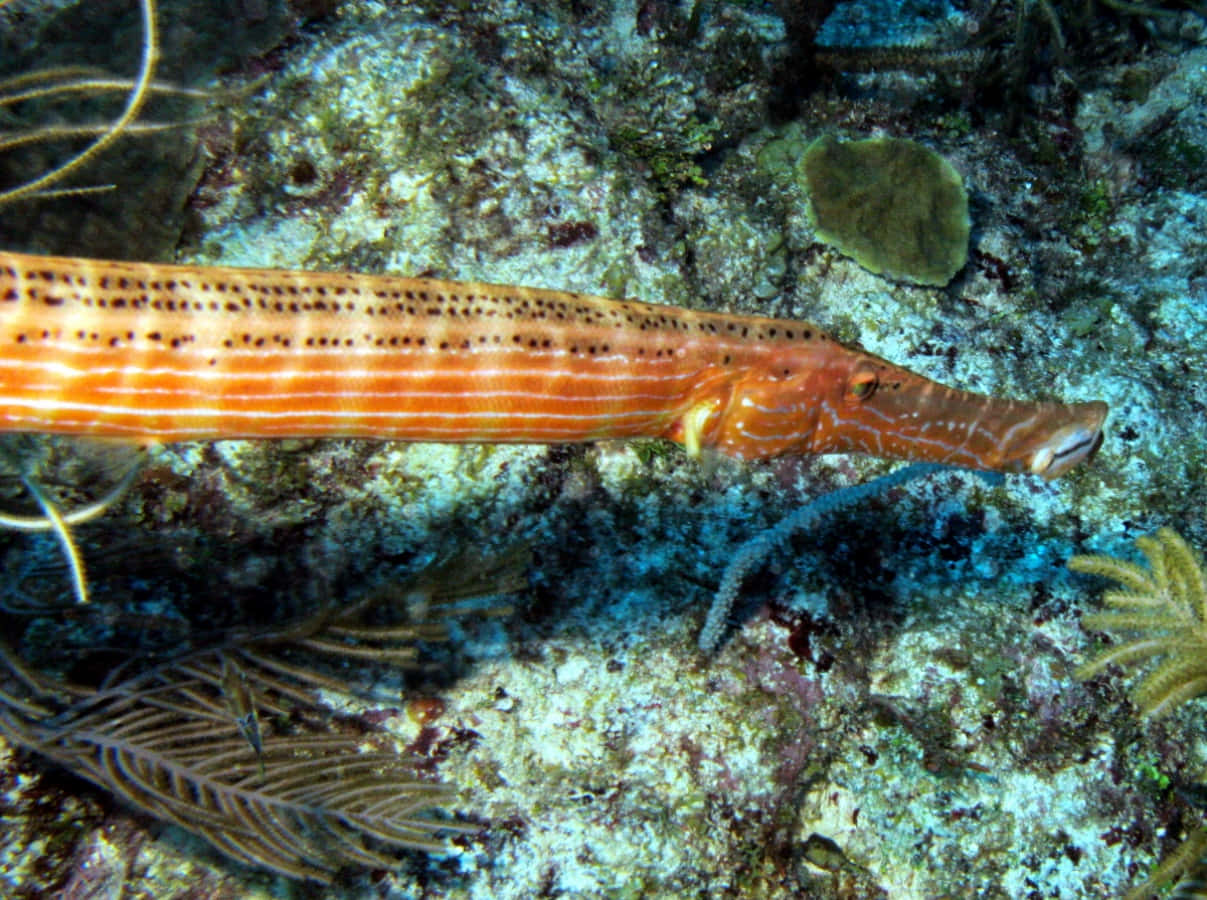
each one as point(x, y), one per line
point(894, 714)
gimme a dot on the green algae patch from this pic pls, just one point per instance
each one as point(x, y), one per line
point(892, 205)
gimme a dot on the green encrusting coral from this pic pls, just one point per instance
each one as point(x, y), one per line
point(892, 205)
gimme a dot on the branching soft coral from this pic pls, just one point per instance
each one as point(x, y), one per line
point(1165, 608)
point(755, 551)
point(67, 81)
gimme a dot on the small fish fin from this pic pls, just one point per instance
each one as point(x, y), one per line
point(695, 424)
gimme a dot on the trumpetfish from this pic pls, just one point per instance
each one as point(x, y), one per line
point(171, 353)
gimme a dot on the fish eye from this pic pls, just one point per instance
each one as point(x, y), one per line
point(862, 385)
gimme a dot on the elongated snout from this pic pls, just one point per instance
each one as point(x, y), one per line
point(889, 411)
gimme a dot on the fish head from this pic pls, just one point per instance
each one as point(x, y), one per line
point(874, 406)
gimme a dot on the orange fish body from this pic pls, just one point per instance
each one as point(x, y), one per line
point(160, 352)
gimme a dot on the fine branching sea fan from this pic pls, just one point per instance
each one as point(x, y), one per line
point(231, 742)
point(171, 745)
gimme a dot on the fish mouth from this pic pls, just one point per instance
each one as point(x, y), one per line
point(1071, 444)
